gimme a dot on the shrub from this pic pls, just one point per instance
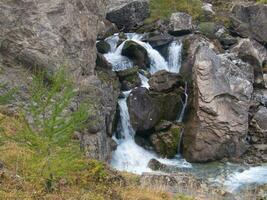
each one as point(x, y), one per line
point(47, 137)
point(208, 29)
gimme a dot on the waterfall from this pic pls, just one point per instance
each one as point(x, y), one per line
point(175, 58)
point(157, 62)
point(129, 156)
point(144, 81)
point(184, 103)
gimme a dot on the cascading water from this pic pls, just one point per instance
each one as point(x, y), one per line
point(175, 59)
point(132, 158)
point(184, 104)
point(129, 156)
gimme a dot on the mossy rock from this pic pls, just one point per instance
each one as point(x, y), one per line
point(103, 47)
point(166, 143)
point(208, 29)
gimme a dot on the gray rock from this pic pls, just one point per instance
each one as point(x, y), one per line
point(218, 122)
point(250, 21)
point(158, 40)
point(261, 118)
point(180, 24)
point(254, 53)
point(127, 14)
point(163, 81)
point(106, 29)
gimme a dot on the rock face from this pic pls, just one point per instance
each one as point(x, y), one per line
point(137, 53)
point(44, 35)
point(254, 53)
point(218, 123)
point(250, 21)
point(127, 14)
point(163, 81)
point(180, 24)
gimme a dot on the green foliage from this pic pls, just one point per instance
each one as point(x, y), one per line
point(48, 135)
point(161, 9)
point(208, 29)
point(5, 98)
point(262, 1)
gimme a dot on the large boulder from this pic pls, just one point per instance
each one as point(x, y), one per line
point(250, 21)
point(254, 53)
point(44, 35)
point(217, 124)
point(144, 111)
point(137, 53)
point(147, 108)
point(166, 142)
point(180, 24)
point(127, 14)
point(163, 81)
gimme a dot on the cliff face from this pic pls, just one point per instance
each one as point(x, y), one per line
point(37, 34)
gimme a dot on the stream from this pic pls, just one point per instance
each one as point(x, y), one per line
point(133, 158)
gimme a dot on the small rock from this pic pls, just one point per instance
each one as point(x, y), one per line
point(180, 24)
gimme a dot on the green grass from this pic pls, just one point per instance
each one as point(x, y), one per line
point(262, 1)
point(162, 9)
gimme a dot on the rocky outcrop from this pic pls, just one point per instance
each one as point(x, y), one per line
point(161, 102)
point(44, 35)
point(180, 24)
point(250, 21)
point(163, 81)
point(137, 53)
point(166, 142)
point(217, 125)
point(254, 53)
point(127, 14)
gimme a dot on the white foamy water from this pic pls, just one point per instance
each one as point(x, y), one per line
point(184, 103)
point(144, 81)
point(254, 175)
point(175, 58)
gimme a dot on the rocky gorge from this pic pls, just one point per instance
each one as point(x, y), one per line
point(179, 103)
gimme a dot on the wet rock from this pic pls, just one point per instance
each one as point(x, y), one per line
point(137, 53)
point(163, 81)
point(143, 142)
point(127, 14)
point(166, 142)
point(250, 21)
point(148, 108)
point(102, 47)
point(144, 111)
point(254, 53)
point(129, 78)
point(106, 29)
point(180, 24)
point(102, 63)
point(156, 165)
point(218, 120)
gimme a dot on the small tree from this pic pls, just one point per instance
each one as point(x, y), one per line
point(52, 120)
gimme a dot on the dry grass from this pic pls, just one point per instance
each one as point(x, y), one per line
point(20, 178)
